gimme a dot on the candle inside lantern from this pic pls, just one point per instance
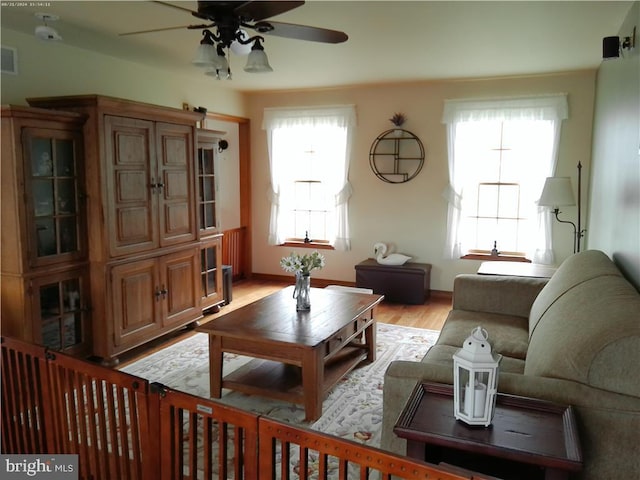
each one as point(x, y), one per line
point(479, 394)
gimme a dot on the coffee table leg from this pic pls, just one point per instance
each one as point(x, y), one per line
point(215, 366)
point(370, 339)
point(312, 383)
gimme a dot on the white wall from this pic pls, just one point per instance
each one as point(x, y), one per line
point(614, 219)
point(412, 215)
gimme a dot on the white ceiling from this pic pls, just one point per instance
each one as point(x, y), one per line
point(389, 41)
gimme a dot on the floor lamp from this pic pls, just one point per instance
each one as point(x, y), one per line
point(557, 192)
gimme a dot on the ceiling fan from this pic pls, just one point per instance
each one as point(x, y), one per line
point(230, 19)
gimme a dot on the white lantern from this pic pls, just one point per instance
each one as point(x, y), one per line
point(475, 380)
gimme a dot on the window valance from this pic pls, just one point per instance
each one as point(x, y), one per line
point(547, 107)
point(333, 115)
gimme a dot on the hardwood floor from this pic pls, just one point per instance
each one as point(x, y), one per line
point(431, 315)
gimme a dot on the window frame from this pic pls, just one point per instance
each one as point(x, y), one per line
point(553, 108)
point(337, 185)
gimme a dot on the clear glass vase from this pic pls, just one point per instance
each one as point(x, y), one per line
point(302, 292)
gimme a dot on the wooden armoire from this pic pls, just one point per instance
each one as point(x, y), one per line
point(144, 254)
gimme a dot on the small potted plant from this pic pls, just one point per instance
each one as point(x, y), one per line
point(398, 119)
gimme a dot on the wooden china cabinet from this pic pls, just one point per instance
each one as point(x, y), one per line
point(211, 239)
point(45, 269)
point(142, 216)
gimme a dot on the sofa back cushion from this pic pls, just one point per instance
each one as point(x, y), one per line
point(589, 328)
point(575, 270)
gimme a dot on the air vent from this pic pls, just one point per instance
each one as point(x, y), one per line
point(9, 60)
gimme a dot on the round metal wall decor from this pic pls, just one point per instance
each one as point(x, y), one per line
point(396, 156)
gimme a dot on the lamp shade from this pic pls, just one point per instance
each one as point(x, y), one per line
point(257, 61)
point(205, 55)
point(557, 191)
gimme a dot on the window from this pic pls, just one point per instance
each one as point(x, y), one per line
point(499, 156)
point(309, 158)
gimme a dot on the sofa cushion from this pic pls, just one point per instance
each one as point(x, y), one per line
point(575, 270)
point(503, 294)
point(590, 334)
point(508, 334)
point(443, 355)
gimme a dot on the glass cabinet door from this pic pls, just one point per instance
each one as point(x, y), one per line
point(207, 146)
point(53, 174)
point(211, 273)
point(61, 311)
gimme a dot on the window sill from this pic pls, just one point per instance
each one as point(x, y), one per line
point(314, 245)
point(495, 258)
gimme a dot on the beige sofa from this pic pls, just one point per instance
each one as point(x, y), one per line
point(573, 340)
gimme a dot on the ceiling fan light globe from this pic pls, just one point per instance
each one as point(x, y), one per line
point(241, 49)
point(258, 62)
point(47, 34)
point(205, 56)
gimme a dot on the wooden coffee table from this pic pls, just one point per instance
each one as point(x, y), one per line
point(298, 356)
point(528, 438)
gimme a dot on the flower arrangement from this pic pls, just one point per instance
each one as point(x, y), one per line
point(398, 119)
point(302, 263)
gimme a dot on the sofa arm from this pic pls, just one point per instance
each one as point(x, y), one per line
point(507, 295)
point(400, 379)
point(608, 422)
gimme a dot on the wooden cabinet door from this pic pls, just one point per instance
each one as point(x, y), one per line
point(176, 191)
point(131, 185)
point(179, 286)
point(137, 302)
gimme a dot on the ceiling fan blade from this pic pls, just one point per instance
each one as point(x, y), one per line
point(259, 10)
point(167, 4)
point(301, 32)
point(190, 27)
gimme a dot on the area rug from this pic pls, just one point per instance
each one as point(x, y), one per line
point(353, 409)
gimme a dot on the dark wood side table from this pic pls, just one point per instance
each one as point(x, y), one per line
point(518, 269)
point(528, 439)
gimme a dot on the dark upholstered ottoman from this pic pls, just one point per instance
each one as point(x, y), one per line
point(409, 283)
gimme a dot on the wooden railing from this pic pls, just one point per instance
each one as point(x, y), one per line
point(123, 427)
point(54, 403)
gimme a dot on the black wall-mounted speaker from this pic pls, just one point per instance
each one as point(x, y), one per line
point(610, 47)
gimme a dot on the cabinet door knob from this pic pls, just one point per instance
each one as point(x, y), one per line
point(164, 292)
point(156, 186)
